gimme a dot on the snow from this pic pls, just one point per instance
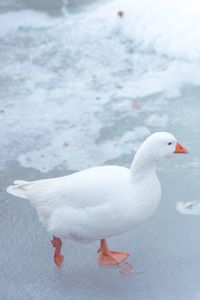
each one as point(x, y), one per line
point(65, 72)
point(83, 89)
point(188, 208)
point(170, 27)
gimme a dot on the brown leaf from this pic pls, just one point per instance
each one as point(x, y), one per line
point(120, 13)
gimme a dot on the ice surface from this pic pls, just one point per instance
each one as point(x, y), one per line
point(64, 64)
point(83, 89)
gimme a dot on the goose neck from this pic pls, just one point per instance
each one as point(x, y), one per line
point(143, 162)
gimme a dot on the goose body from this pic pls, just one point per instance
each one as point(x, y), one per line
point(100, 202)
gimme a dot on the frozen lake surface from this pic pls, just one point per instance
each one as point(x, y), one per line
point(82, 86)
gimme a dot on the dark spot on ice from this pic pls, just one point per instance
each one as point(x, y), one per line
point(120, 13)
point(65, 144)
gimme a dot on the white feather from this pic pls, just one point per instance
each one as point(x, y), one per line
point(99, 202)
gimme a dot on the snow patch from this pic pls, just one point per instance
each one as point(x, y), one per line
point(67, 80)
point(169, 27)
point(188, 208)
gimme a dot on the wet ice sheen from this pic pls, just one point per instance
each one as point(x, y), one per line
point(69, 85)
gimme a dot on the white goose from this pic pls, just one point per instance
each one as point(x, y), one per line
point(100, 202)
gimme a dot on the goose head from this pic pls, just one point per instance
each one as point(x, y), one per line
point(157, 146)
point(162, 145)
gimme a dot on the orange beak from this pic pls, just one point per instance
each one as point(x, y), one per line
point(180, 149)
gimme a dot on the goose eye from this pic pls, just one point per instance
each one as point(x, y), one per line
point(170, 143)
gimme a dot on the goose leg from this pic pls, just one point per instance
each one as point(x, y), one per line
point(57, 244)
point(108, 257)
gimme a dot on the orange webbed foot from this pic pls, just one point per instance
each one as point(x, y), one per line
point(58, 257)
point(108, 257)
